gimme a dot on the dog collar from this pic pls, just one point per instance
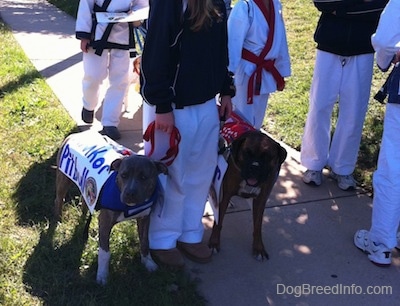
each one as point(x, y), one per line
point(110, 198)
point(137, 209)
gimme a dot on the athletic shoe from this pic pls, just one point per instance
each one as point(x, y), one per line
point(377, 253)
point(344, 182)
point(111, 131)
point(87, 116)
point(312, 177)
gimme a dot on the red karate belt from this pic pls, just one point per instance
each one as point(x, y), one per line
point(259, 61)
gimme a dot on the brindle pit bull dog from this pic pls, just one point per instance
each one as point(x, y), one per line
point(253, 167)
point(137, 180)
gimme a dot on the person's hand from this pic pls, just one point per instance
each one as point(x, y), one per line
point(137, 23)
point(85, 45)
point(225, 109)
point(165, 122)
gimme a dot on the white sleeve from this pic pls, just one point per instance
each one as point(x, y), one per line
point(84, 16)
point(386, 40)
point(139, 4)
point(238, 25)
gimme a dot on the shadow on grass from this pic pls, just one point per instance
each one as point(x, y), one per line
point(53, 274)
point(35, 192)
point(26, 78)
point(62, 270)
point(65, 276)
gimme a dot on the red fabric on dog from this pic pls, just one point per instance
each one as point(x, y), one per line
point(234, 127)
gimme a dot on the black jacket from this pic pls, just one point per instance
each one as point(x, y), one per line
point(345, 26)
point(181, 66)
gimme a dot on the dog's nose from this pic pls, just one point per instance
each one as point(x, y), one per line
point(255, 166)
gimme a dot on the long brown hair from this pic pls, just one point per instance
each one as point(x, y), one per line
point(202, 13)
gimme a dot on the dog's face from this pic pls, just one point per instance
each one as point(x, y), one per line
point(137, 177)
point(258, 157)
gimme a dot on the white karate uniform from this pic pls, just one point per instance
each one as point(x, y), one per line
point(180, 217)
point(114, 63)
point(248, 28)
point(347, 78)
point(386, 183)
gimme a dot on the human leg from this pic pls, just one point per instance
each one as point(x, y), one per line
point(382, 236)
point(186, 187)
point(118, 84)
point(353, 104)
point(253, 113)
point(323, 95)
point(386, 205)
point(200, 166)
point(239, 102)
point(200, 169)
point(260, 104)
point(95, 71)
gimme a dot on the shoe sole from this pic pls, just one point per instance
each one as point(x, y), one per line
point(348, 188)
point(194, 258)
point(312, 183)
point(382, 265)
point(113, 137)
point(160, 263)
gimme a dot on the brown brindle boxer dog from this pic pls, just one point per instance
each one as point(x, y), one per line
point(253, 168)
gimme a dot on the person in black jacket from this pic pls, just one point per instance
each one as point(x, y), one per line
point(342, 73)
point(184, 68)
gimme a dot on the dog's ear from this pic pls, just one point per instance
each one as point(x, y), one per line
point(116, 163)
point(236, 145)
point(161, 167)
point(282, 154)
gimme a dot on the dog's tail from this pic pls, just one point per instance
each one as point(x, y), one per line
point(86, 229)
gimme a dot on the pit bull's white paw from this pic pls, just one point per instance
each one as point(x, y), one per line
point(149, 263)
point(101, 279)
point(102, 268)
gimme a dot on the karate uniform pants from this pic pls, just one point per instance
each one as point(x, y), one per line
point(189, 179)
point(348, 81)
point(252, 113)
point(115, 64)
point(386, 182)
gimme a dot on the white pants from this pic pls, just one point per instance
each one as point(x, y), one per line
point(348, 81)
point(115, 64)
point(386, 182)
point(188, 182)
point(253, 113)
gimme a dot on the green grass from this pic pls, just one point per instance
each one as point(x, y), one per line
point(47, 263)
point(287, 110)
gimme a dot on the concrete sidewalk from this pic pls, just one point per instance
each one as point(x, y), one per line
point(308, 231)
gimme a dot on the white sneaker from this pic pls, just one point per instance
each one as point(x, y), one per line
point(377, 253)
point(312, 176)
point(345, 182)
